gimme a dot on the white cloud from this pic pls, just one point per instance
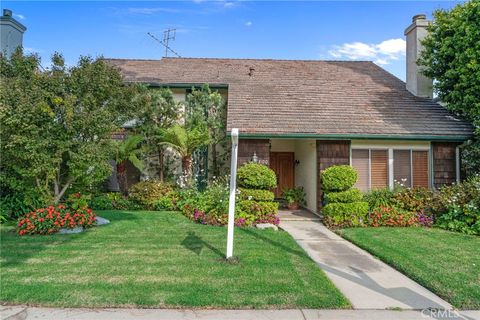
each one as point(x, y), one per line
point(149, 11)
point(381, 53)
point(248, 23)
point(19, 16)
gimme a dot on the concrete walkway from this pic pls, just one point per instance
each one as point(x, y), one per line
point(366, 281)
point(30, 313)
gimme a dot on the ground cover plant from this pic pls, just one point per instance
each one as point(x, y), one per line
point(161, 259)
point(445, 262)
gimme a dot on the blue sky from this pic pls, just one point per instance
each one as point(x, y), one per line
point(234, 29)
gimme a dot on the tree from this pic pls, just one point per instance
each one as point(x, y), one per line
point(185, 141)
point(57, 124)
point(128, 149)
point(451, 57)
point(159, 111)
point(208, 107)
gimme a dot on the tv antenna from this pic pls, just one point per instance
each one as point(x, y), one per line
point(168, 35)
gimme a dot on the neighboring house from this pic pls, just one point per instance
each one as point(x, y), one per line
point(11, 33)
point(300, 117)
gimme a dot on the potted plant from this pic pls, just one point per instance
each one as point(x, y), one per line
point(295, 197)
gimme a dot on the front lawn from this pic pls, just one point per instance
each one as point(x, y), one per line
point(445, 262)
point(161, 259)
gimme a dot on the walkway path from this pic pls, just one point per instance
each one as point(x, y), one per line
point(366, 281)
point(33, 313)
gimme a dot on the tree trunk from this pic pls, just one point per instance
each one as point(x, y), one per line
point(187, 166)
point(215, 170)
point(160, 164)
point(122, 177)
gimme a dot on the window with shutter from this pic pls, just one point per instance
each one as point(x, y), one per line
point(402, 173)
point(360, 161)
point(379, 169)
point(420, 168)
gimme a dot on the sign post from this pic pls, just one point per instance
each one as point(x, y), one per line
point(233, 187)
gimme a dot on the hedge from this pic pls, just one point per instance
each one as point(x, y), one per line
point(338, 178)
point(256, 194)
point(346, 214)
point(256, 176)
point(350, 195)
point(258, 207)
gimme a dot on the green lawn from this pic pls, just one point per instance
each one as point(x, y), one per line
point(161, 259)
point(447, 263)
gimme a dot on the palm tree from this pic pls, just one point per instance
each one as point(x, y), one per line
point(184, 142)
point(128, 149)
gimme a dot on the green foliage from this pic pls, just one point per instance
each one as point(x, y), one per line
point(451, 56)
point(256, 194)
point(338, 178)
point(258, 207)
point(256, 176)
point(351, 195)
point(167, 202)
point(129, 149)
point(345, 214)
point(101, 202)
point(148, 193)
point(391, 217)
point(295, 195)
point(57, 123)
point(457, 207)
point(206, 107)
point(15, 205)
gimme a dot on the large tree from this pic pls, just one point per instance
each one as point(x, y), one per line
point(206, 106)
point(57, 123)
point(452, 58)
point(159, 111)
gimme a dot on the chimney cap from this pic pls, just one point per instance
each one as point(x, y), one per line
point(419, 17)
point(7, 12)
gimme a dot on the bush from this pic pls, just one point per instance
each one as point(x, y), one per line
point(338, 178)
point(49, 220)
point(351, 195)
point(15, 205)
point(167, 202)
point(384, 216)
point(345, 214)
point(457, 207)
point(147, 193)
point(257, 207)
point(256, 176)
point(379, 197)
point(101, 202)
point(255, 194)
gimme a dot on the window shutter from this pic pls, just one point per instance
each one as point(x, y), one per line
point(401, 167)
point(360, 163)
point(420, 168)
point(379, 169)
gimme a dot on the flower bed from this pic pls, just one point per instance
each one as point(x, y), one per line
point(52, 218)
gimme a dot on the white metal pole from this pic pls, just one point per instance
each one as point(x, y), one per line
point(233, 187)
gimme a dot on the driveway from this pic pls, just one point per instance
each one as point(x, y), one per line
point(366, 281)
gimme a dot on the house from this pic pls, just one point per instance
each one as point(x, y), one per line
point(11, 33)
point(300, 117)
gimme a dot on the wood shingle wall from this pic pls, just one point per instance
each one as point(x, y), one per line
point(444, 163)
point(246, 148)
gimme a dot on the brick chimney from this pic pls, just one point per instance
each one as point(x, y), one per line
point(11, 33)
point(417, 83)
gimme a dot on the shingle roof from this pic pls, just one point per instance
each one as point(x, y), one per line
point(299, 97)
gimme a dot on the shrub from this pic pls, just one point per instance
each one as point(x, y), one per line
point(380, 197)
point(49, 220)
point(339, 178)
point(351, 195)
point(384, 216)
point(257, 207)
point(255, 194)
point(295, 195)
point(15, 205)
point(101, 202)
point(167, 202)
point(147, 193)
point(345, 214)
point(256, 176)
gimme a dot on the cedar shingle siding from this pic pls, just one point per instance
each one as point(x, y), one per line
point(444, 163)
point(275, 97)
point(246, 148)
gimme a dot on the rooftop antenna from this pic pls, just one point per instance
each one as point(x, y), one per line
point(168, 35)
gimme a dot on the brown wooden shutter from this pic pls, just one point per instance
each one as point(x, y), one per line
point(360, 163)
point(401, 167)
point(420, 168)
point(379, 169)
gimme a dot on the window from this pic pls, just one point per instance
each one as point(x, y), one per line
point(380, 168)
point(372, 168)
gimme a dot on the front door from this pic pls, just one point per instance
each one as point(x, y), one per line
point(283, 163)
